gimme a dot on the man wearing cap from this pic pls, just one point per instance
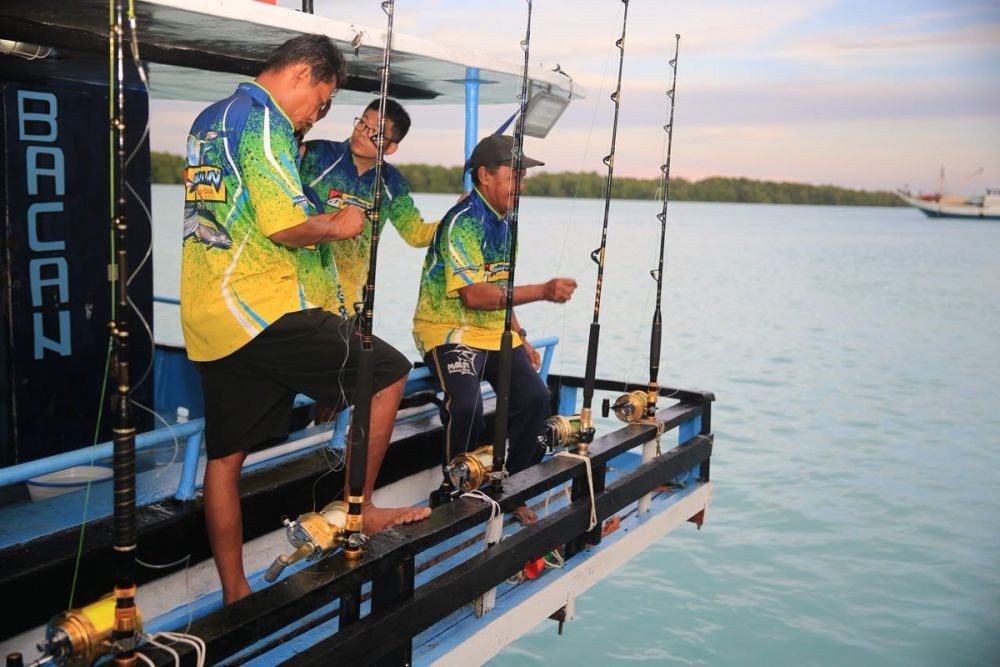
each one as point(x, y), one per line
point(460, 312)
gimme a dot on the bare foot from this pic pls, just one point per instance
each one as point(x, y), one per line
point(525, 515)
point(376, 519)
point(242, 590)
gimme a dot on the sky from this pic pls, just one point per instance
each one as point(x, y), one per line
point(859, 94)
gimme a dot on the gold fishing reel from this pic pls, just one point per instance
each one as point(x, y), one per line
point(566, 432)
point(630, 407)
point(471, 470)
point(316, 535)
point(79, 637)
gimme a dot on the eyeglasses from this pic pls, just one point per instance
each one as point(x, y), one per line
point(371, 132)
point(325, 105)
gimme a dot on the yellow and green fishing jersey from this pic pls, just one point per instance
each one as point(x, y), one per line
point(241, 185)
point(317, 270)
point(328, 167)
point(471, 246)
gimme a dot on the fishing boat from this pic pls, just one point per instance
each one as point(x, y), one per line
point(424, 593)
point(984, 207)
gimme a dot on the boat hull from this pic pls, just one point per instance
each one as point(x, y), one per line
point(937, 209)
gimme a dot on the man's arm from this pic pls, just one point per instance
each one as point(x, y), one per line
point(406, 218)
point(489, 296)
point(533, 356)
point(341, 224)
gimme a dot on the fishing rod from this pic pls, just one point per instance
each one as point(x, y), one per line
point(126, 613)
point(316, 535)
point(353, 538)
point(113, 623)
point(506, 339)
point(578, 431)
point(637, 405)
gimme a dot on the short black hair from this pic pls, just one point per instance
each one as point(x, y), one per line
point(317, 51)
point(395, 112)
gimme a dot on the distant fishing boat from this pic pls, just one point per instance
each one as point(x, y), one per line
point(940, 205)
point(985, 206)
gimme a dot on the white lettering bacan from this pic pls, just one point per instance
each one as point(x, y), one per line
point(45, 273)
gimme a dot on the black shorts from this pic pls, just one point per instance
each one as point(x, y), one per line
point(249, 394)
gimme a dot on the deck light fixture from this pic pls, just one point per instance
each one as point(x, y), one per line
point(542, 112)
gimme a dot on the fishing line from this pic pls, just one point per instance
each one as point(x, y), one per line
point(197, 642)
point(578, 273)
point(169, 426)
point(147, 255)
point(165, 566)
point(332, 467)
point(151, 639)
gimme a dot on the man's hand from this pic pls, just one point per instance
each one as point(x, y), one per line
point(559, 290)
point(348, 222)
point(536, 359)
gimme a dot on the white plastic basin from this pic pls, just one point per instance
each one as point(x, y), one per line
point(64, 481)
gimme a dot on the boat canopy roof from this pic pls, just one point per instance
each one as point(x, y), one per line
point(201, 49)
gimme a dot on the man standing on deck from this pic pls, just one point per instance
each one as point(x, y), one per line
point(343, 174)
point(244, 312)
point(460, 313)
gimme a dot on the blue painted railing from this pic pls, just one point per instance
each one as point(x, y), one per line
point(420, 379)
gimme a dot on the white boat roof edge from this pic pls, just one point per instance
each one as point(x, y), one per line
point(188, 42)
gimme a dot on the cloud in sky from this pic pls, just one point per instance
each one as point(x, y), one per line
point(847, 92)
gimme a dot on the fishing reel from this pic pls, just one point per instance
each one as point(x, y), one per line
point(465, 472)
point(565, 432)
point(630, 407)
point(316, 535)
point(470, 470)
point(79, 637)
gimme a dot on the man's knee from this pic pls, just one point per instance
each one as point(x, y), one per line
point(537, 391)
point(533, 396)
point(463, 404)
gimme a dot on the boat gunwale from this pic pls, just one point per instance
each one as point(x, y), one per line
point(272, 608)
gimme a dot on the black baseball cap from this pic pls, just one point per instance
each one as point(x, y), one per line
point(497, 150)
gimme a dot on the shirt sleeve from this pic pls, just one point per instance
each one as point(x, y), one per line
point(271, 175)
point(461, 250)
point(405, 217)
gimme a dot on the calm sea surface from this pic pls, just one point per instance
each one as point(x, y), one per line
point(854, 353)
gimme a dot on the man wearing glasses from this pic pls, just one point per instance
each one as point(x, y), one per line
point(246, 315)
point(343, 174)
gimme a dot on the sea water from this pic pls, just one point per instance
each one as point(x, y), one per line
point(854, 353)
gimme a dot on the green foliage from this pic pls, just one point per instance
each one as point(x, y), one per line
point(167, 168)
point(432, 178)
point(427, 178)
